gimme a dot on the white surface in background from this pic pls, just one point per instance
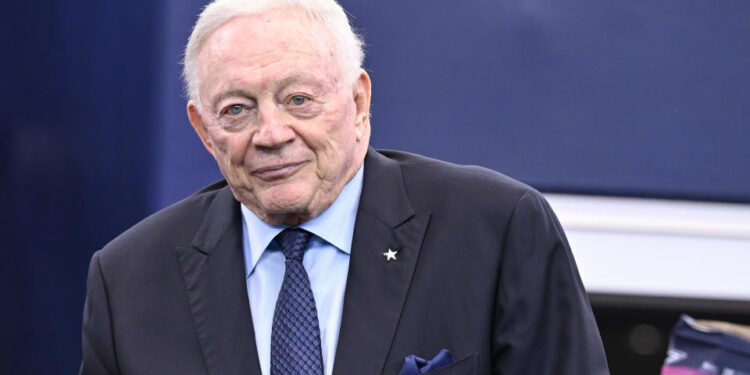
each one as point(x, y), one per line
point(658, 247)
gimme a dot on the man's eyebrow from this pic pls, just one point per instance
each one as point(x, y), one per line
point(298, 77)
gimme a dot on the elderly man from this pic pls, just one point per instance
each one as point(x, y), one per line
point(318, 254)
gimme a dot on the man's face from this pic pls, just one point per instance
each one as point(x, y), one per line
point(286, 128)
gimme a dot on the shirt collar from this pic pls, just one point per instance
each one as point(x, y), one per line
point(335, 225)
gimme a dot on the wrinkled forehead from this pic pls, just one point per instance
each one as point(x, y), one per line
point(274, 31)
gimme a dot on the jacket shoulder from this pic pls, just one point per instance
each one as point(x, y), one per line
point(439, 181)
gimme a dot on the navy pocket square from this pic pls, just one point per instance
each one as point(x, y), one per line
point(414, 365)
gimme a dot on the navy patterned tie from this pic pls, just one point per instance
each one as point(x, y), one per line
point(295, 336)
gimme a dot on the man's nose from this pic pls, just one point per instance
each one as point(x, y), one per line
point(274, 128)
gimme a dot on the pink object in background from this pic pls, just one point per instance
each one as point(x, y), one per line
point(674, 370)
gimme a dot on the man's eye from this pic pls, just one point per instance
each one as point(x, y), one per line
point(298, 100)
point(235, 109)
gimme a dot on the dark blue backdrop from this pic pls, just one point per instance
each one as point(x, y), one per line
point(636, 98)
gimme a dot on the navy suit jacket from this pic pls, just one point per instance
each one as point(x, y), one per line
point(483, 270)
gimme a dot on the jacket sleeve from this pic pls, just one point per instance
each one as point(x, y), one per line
point(543, 323)
point(98, 343)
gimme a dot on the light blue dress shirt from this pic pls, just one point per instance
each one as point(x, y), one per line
point(326, 262)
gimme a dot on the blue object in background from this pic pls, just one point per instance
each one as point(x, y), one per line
point(635, 98)
point(698, 349)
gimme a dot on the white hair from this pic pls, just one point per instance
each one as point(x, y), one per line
point(349, 45)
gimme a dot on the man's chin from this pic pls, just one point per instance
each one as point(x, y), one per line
point(285, 215)
point(288, 209)
point(285, 204)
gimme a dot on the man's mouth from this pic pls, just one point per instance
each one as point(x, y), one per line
point(278, 171)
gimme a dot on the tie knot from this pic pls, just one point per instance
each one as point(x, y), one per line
point(293, 242)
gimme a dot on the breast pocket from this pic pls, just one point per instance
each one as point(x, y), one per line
point(464, 366)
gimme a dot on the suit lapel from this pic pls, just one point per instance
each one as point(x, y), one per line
point(214, 273)
point(376, 288)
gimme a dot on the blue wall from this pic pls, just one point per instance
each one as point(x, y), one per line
point(647, 98)
point(78, 125)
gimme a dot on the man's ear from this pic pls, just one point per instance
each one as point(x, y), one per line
point(200, 127)
point(362, 92)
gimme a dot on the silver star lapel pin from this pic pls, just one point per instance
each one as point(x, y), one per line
point(390, 255)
